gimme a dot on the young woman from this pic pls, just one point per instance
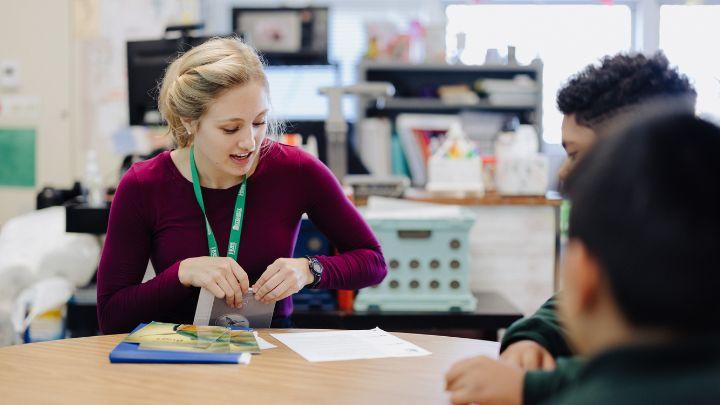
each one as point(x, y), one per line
point(222, 211)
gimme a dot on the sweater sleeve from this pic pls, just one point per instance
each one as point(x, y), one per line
point(539, 386)
point(542, 327)
point(360, 262)
point(123, 301)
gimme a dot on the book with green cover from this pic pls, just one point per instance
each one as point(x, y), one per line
point(211, 339)
point(159, 342)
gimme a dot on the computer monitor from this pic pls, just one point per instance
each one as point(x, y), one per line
point(146, 65)
point(285, 36)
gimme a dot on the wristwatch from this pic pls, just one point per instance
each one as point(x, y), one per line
point(316, 269)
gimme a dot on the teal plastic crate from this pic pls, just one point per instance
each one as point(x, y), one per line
point(428, 265)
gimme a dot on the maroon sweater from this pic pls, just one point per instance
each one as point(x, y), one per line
point(155, 216)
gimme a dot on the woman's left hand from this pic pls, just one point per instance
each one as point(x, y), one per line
point(282, 279)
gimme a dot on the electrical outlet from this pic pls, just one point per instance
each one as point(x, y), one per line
point(10, 74)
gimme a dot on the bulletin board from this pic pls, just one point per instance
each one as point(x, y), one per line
point(17, 152)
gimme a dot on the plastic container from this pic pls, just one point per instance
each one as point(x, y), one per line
point(521, 170)
point(456, 166)
point(428, 264)
point(50, 325)
point(94, 193)
point(489, 170)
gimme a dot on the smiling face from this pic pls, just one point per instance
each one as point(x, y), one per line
point(228, 136)
point(577, 140)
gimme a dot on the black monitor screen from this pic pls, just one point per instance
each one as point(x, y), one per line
point(146, 64)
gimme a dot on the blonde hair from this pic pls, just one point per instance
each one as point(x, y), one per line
point(195, 79)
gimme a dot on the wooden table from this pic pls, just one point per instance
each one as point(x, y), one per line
point(78, 371)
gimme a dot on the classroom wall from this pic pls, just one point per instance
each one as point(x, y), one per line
point(37, 35)
point(72, 61)
point(513, 251)
point(102, 30)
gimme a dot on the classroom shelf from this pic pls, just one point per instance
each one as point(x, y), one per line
point(416, 89)
point(436, 104)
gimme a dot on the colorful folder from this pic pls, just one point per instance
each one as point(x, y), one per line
point(130, 353)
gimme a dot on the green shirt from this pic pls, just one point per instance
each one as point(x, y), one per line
point(544, 328)
point(541, 385)
point(686, 372)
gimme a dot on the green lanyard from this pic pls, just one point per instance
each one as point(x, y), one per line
point(237, 216)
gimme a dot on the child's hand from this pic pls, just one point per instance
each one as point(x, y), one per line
point(481, 380)
point(529, 355)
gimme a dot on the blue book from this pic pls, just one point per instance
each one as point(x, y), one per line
point(130, 353)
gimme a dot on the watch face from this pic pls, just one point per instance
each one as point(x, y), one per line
point(316, 266)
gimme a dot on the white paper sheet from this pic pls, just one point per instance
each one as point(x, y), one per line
point(486, 348)
point(348, 345)
point(262, 343)
point(244, 358)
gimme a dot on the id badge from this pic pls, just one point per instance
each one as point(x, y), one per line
point(215, 312)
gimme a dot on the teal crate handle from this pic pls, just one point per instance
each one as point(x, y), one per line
point(414, 234)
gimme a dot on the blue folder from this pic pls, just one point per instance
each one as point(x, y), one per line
point(130, 353)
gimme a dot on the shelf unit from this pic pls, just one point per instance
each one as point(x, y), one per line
point(416, 89)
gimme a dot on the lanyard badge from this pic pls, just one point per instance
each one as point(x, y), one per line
point(238, 213)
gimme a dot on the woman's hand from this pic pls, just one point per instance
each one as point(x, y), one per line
point(281, 279)
point(222, 276)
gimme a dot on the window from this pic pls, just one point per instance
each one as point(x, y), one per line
point(688, 35)
point(565, 37)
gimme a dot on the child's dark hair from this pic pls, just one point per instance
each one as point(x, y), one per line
point(600, 91)
point(646, 204)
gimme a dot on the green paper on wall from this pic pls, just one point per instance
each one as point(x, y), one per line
point(17, 157)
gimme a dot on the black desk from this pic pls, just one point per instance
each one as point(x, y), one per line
point(493, 312)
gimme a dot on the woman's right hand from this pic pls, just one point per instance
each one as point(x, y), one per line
point(222, 276)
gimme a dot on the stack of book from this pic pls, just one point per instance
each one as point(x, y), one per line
point(159, 342)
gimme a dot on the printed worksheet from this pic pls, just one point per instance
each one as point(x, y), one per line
point(348, 345)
